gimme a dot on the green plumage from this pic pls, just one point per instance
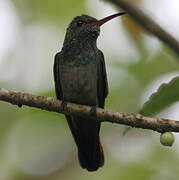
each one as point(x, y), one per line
point(80, 77)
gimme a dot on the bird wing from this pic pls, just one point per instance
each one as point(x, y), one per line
point(102, 81)
point(85, 131)
point(56, 71)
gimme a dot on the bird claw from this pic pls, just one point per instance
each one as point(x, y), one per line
point(19, 105)
point(64, 104)
point(93, 110)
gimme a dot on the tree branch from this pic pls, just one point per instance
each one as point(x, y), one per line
point(51, 104)
point(148, 23)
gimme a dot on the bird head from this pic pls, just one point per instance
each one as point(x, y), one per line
point(85, 27)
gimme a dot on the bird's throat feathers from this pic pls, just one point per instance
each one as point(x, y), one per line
point(79, 41)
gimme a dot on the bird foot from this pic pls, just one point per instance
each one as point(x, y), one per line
point(64, 105)
point(19, 105)
point(93, 110)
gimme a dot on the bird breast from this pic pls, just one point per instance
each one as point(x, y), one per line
point(79, 83)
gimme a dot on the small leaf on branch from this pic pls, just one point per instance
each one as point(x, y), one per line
point(166, 95)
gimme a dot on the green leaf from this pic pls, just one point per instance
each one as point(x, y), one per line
point(166, 95)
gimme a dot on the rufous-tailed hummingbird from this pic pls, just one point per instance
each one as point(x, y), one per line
point(80, 77)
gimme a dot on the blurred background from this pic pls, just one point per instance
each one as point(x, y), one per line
point(36, 144)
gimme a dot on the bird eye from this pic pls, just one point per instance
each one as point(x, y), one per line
point(80, 23)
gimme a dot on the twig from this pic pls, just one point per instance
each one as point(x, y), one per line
point(51, 104)
point(149, 24)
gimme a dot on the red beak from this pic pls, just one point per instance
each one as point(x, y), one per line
point(106, 19)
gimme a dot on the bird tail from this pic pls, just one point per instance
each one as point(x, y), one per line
point(86, 135)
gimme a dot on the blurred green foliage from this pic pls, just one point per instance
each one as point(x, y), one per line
point(59, 11)
point(37, 145)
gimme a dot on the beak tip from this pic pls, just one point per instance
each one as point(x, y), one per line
point(106, 19)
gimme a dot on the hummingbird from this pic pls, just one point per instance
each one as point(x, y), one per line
point(80, 77)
